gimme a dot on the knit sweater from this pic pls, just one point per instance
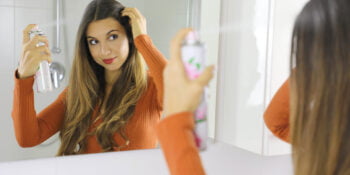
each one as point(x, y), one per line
point(277, 113)
point(32, 129)
point(175, 134)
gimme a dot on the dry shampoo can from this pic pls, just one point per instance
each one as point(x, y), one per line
point(193, 57)
point(43, 75)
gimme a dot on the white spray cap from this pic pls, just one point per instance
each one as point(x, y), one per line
point(192, 37)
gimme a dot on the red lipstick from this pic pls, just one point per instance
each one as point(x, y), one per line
point(108, 61)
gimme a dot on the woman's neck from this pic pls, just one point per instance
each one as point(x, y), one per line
point(111, 77)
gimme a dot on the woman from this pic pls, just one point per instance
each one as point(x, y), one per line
point(111, 102)
point(320, 93)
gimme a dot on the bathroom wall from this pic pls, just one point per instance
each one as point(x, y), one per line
point(241, 73)
point(253, 63)
point(6, 76)
point(282, 17)
point(15, 16)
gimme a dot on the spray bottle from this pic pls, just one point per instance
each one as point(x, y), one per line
point(193, 57)
point(43, 75)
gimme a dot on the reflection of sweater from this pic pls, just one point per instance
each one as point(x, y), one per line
point(277, 114)
point(32, 129)
point(175, 134)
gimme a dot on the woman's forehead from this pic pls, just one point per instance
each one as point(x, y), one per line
point(103, 26)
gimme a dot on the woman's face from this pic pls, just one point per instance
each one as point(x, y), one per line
point(108, 43)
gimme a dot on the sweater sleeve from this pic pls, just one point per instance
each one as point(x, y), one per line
point(175, 134)
point(155, 61)
point(32, 129)
point(277, 113)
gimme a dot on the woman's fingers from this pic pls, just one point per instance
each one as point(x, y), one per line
point(175, 45)
point(206, 76)
point(137, 21)
point(132, 11)
point(42, 51)
point(34, 51)
point(39, 54)
point(130, 15)
point(38, 41)
point(26, 31)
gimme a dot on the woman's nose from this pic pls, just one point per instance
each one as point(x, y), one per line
point(105, 49)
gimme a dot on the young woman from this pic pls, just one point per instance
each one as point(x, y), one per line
point(112, 102)
point(320, 96)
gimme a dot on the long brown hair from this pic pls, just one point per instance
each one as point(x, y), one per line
point(86, 89)
point(320, 88)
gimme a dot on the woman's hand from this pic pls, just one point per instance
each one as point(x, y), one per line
point(32, 54)
point(137, 21)
point(180, 93)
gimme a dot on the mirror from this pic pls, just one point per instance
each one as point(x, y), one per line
point(15, 15)
point(253, 36)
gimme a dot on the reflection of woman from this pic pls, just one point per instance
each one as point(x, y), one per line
point(320, 112)
point(111, 102)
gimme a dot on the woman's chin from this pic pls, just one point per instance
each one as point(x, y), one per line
point(111, 68)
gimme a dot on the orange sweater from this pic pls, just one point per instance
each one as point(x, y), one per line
point(32, 129)
point(175, 134)
point(277, 114)
point(177, 141)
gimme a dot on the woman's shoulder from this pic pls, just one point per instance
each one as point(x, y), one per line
point(63, 95)
point(150, 80)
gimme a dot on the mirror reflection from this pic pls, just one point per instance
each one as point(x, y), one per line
point(251, 66)
point(113, 54)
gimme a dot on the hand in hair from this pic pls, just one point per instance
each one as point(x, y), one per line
point(32, 54)
point(137, 21)
point(180, 93)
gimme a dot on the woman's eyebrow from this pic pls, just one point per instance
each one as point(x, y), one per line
point(114, 30)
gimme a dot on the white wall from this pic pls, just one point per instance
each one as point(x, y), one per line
point(253, 61)
point(164, 19)
point(6, 75)
point(209, 32)
point(241, 71)
point(282, 18)
point(15, 16)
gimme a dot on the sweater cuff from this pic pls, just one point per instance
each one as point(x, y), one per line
point(178, 120)
point(142, 39)
point(24, 85)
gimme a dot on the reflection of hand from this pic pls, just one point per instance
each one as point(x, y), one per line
point(31, 54)
point(137, 21)
point(180, 93)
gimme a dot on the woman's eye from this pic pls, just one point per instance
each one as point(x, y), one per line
point(113, 37)
point(93, 42)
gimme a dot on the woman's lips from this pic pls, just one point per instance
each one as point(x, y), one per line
point(108, 61)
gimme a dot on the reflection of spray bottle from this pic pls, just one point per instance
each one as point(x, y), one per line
point(42, 76)
point(193, 57)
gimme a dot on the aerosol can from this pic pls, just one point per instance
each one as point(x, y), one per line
point(42, 76)
point(193, 57)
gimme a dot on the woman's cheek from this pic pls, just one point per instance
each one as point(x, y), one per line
point(124, 48)
point(93, 52)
